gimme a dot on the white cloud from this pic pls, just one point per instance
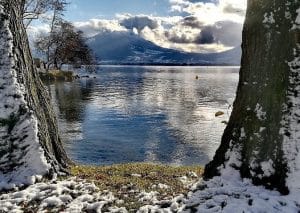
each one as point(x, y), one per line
point(182, 38)
point(208, 27)
point(195, 27)
point(34, 30)
point(95, 26)
point(209, 13)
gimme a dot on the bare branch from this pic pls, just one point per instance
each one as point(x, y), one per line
point(33, 9)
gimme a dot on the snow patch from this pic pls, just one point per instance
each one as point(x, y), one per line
point(136, 175)
point(290, 125)
point(236, 195)
point(73, 196)
point(269, 19)
point(148, 196)
point(261, 115)
point(267, 168)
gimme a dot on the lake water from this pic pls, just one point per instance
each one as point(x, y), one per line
point(145, 114)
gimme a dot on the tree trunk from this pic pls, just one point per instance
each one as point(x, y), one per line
point(263, 134)
point(30, 146)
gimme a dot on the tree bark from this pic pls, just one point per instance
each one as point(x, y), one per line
point(28, 127)
point(264, 126)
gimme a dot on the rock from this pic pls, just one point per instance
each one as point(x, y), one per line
point(219, 113)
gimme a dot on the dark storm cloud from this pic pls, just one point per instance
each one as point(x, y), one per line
point(139, 22)
point(224, 32)
point(206, 36)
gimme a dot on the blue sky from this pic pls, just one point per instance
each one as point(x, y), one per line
point(80, 10)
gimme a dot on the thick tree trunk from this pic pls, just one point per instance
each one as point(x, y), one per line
point(263, 131)
point(29, 142)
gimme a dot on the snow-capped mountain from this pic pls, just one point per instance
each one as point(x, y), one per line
point(128, 48)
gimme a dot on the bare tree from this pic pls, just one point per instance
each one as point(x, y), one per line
point(64, 45)
point(34, 9)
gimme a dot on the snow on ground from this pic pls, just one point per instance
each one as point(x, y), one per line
point(76, 195)
point(59, 196)
point(228, 193)
point(236, 195)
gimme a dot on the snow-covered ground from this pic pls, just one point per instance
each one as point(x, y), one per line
point(59, 196)
point(74, 195)
point(235, 195)
point(221, 194)
point(228, 195)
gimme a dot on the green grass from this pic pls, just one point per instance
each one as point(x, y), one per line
point(120, 180)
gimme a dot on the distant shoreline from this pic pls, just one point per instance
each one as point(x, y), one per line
point(169, 65)
point(173, 66)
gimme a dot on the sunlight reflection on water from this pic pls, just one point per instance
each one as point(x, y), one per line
point(138, 114)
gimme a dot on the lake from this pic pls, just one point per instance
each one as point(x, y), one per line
point(127, 114)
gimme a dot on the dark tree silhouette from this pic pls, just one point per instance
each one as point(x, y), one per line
point(64, 45)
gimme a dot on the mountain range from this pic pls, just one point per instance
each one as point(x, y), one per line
point(129, 48)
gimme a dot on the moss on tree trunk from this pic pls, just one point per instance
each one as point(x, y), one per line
point(256, 123)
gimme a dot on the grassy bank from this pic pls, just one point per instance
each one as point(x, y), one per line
point(56, 75)
point(128, 182)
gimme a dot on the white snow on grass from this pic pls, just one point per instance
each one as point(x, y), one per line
point(66, 196)
point(227, 193)
point(160, 186)
point(233, 194)
point(76, 195)
point(176, 204)
point(148, 196)
point(22, 159)
point(220, 194)
point(136, 175)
